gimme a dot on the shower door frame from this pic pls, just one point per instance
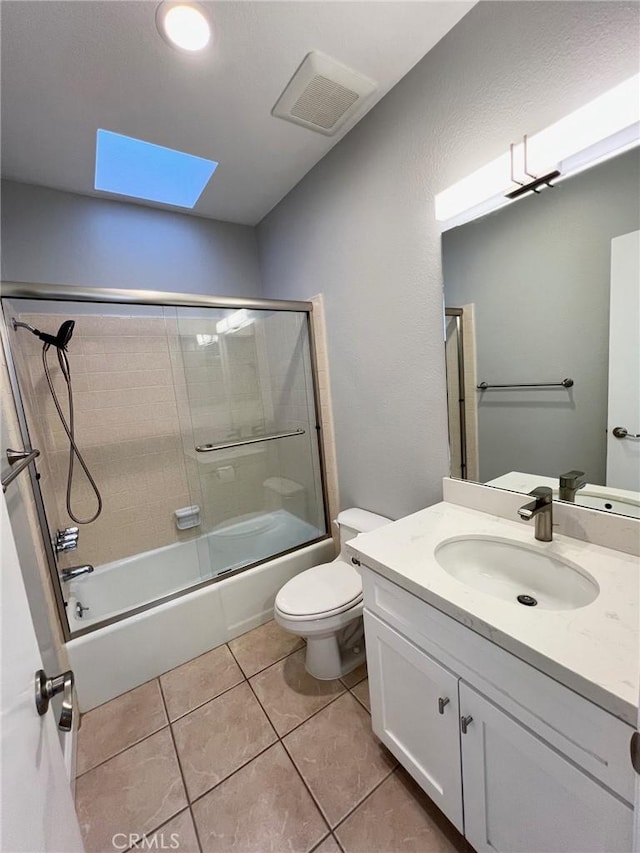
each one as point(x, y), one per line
point(71, 293)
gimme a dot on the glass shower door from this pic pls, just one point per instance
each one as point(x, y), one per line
point(248, 424)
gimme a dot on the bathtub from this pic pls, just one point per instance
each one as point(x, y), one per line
point(112, 659)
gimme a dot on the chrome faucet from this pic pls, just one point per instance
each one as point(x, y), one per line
point(570, 483)
point(74, 571)
point(541, 509)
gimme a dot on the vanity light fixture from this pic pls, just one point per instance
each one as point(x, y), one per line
point(183, 25)
point(601, 129)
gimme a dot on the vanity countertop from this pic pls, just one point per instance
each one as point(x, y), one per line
point(594, 650)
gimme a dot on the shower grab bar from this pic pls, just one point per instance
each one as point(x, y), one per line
point(21, 459)
point(207, 448)
point(566, 383)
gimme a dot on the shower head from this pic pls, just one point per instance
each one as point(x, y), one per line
point(65, 332)
point(60, 340)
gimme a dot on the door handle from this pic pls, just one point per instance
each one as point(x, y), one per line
point(621, 432)
point(465, 722)
point(47, 688)
point(634, 748)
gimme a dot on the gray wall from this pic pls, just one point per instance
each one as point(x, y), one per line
point(63, 238)
point(538, 273)
point(360, 226)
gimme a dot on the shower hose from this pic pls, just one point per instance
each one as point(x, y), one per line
point(70, 431)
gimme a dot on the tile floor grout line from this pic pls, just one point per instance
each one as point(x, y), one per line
point(120, 752)
point(233, 773)
point(278, 739)
point(258, 754)
point(184, 781)
point(357, 698)
point(284, 746)
point(162, 825)
point(131, 689)
point(297, 726)
point(306, 720)
point(295, 766)
point(206, 702)
point(316, 802)
point(359, 681)
point(337, 840)
point(262, 669)
point(320, 843)
point(365, 798)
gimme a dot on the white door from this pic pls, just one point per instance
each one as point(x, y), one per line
point(623, 454)
point(37, 813)
point(414, 712)
point(521, 795)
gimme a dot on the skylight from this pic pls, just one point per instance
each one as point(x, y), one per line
point(138, 169)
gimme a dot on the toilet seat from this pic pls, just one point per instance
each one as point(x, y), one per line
point(320, 592)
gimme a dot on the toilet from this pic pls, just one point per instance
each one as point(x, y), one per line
point(324, 605)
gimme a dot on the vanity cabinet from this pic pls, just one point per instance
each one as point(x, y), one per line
point(533, 766)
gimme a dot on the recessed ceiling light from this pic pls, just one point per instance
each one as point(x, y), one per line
point(139, 169)
point(184, 25)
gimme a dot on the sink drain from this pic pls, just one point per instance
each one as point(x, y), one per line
point(527, 600)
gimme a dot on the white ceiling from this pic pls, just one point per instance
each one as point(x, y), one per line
point(71, 67)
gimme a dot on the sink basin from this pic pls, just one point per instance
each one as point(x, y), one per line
point(600, 500)
point(525, 575)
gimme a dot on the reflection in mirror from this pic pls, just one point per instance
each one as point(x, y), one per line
point(549, 289)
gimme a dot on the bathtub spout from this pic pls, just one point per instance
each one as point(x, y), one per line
point(74, 571)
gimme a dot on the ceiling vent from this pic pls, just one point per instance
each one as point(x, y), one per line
point(323, 95)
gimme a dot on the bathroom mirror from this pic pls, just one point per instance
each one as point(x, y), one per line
point(542, 340)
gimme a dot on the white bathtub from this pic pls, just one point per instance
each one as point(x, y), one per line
point(113, 659)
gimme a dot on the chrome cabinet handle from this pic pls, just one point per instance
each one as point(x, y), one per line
point(465, 722)
point(442, 702)
point(621, 432)
point(47, 688)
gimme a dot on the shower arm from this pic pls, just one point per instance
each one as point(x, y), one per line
point(19, 324)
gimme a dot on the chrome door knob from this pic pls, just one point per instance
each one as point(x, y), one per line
point(47, 688)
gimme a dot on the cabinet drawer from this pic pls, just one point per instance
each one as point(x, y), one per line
point(592, 738)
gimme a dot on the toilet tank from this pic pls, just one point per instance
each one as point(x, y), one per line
point(354, 521)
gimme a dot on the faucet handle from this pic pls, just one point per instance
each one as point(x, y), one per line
point(573, 480)
point(544, 494)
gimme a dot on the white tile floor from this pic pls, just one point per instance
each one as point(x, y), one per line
point(240, 750)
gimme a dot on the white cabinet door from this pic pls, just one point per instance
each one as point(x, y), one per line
point(36, 806)
point(414, 712)
point(520, 795)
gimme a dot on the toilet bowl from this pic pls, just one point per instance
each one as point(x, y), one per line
point(324, 605)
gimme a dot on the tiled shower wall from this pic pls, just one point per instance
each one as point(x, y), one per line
point(126, 427)
point(144, 397)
